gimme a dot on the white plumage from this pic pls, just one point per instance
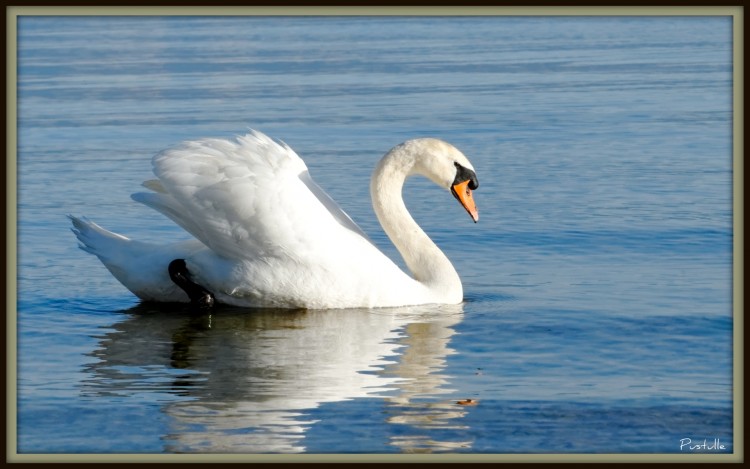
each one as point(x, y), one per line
point(267, 235)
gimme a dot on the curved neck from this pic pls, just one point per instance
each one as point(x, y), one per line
point(427, 263)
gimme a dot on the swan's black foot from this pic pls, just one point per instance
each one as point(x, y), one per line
point(199, 297)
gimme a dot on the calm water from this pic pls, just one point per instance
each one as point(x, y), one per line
point(598, 313)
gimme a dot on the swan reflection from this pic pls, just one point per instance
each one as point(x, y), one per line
point(234, 381)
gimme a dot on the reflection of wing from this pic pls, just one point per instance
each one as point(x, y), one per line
point(248, 198)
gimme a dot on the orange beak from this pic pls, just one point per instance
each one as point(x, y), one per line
point(462, 192)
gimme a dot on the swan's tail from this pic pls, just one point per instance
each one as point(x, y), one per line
point(140, 267)
point(96, 240)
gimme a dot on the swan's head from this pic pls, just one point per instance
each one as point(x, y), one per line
point(447, 167)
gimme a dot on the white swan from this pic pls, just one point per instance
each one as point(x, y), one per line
point(267, 236)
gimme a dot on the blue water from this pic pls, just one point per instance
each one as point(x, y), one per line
point(598, 312)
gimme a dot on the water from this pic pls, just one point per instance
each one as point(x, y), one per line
point(598, 312)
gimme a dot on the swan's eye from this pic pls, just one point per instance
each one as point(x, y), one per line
point(465, 174)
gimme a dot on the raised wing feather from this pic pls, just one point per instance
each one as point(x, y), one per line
point(248, 198)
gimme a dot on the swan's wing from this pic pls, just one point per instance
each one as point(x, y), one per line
point(246, 198)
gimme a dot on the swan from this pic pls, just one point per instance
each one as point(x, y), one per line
point(266, 235)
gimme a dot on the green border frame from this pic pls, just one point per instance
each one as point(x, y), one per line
point(13, 12)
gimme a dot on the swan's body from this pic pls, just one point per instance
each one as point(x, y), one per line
point(267, 235)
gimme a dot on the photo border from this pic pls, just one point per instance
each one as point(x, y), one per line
point(12, 14)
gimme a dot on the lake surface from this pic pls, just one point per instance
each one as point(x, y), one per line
point(598, 281)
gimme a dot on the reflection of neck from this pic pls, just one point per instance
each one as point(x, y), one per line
point(425, 260)
point(422, 364)
point(424, 358)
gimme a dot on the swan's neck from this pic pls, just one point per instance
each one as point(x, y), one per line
point(427, 263)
